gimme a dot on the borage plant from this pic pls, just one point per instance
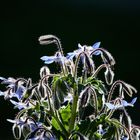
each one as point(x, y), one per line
point(72, 103)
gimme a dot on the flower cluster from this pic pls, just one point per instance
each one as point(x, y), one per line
point(72, 103)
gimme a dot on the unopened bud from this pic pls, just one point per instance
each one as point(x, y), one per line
point(85, 96)
point(16, 131)
point(47, 39)
point(25, 129)
point(109, 76)
point(129, 89)
point(126, 120)
point(28, 93)
point(44, 71)
point(42, 90)
point(29, 83)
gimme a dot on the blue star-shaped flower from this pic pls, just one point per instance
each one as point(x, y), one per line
point(56, 58)
point(22, 121)
point(21, 105)
point(87, 49)
point(123, 104)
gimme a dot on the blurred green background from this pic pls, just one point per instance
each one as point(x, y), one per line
point(115, 23)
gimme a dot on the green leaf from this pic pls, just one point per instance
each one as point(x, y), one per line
point(97, 136)
point(37, 107)
point(65, 113)
point(97, 84)
point(55, 124)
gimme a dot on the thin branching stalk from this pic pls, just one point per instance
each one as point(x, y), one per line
point(110, 57)
point(99, 69)
point(118, 82)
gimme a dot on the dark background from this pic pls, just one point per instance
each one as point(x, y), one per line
point(115, 23)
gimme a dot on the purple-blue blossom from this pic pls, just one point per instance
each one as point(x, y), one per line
point(123, 104)
point(56, 58)
point(87, 49)
point(21, 105)
point(23, 120)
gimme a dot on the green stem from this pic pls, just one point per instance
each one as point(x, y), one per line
point(64, 131)
point(98, 69)
point(59, 45)
point(74, 111)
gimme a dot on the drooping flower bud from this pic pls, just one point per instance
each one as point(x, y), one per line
point(126, 120)
point(109, 59)
point(28, 93)
point(29, 83)
point(42, 90)
point(84, 98)
point(135, 133)
point(129, 89)
point(109, 75)
point(89, 63)
point(16, 131)
point(25, 129)
point(44, 71)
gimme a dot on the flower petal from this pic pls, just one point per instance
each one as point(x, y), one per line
point(70, 55)
point(110, 106)
point(134, 100)
point(11, 121)
point(96, 46)
point(80, 46)
point(18, 104)
point(1, 93)
point(2, 78)
point(48, 59)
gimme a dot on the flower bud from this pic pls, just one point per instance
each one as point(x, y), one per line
point(109, 76)
point(44, 71)
point(25, 129)
point(42, 90)
point(109, 59)
point(28, 93)
point(29, 83)
point(126, 120)
point(90, 64)
point(16, 131)
point(47, 39)
point(85, 96)
point(129, 89)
